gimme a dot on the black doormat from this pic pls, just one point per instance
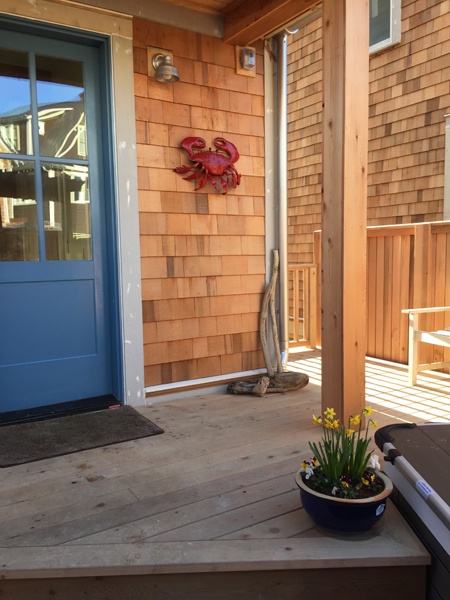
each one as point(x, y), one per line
point(28, 442)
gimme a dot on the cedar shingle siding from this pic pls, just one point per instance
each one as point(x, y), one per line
point(203, 266)
point(409, 96)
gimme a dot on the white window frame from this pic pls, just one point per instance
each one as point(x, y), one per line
point(395, 29)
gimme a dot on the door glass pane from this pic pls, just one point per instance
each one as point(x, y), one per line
point(61, 110)
point(15, 112)
point(67, 217)
point(18, 225)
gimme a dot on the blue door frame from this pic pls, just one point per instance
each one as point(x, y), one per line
point(59, 318)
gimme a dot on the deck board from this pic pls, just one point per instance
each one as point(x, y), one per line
point(214, 494)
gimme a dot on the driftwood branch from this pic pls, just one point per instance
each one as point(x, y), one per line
point(274, 382)
point(280, 383)
point(268, 302)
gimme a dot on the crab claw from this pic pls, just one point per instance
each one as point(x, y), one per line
point(195, 175)
point(182, 169)
point(190, 143)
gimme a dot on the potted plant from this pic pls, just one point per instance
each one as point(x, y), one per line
point(342, 487)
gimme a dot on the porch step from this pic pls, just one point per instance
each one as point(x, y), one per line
point(387, 561)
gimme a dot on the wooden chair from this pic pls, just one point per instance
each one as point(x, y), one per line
point(416, 335)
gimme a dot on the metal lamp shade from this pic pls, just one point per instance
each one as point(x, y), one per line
point(164, 69)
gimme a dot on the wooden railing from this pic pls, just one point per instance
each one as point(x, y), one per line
point(302, 305)
point(408, 266)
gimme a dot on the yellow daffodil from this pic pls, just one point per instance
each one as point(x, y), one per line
point(342, 457)
point(355, 420)
point(330, 413)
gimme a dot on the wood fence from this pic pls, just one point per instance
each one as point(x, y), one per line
point(408, 266)
point(302, 305)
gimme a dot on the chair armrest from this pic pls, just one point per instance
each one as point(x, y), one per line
point(412, 311)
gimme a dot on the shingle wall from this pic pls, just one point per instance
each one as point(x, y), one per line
point(409, 96)
point(203, 266)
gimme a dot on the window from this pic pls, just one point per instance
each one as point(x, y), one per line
point(385, 24)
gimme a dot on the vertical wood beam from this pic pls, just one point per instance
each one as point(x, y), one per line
point(317, 259)
point(344, 216)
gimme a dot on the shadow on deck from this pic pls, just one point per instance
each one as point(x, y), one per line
point(208, 510)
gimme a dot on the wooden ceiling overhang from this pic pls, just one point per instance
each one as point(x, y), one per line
point(237, 22)
point(245, 22)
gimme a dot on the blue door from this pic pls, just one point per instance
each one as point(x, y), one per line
point(55, 296)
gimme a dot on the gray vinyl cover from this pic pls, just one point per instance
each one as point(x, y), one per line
point(418, 462)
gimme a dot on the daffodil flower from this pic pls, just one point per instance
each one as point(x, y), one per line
point(341, 459)
point(330, 413)
point(355, 420)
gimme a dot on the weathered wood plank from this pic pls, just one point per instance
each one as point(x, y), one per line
point(403, 583)
point(285, 525)
point(390, 541)
point(379, 307)
point(371, 296)
point(202, 431)
point(386, 328)
point(227, 475)
point(396, 307)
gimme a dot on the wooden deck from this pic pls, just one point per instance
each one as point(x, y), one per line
point(209, 509)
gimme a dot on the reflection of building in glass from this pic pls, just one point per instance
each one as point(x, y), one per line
point(61, 127)
point(62, 187)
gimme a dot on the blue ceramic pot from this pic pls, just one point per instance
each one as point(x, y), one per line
point(343, 514)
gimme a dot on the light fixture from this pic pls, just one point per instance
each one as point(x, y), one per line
point(247, 58)
point(164, 69)
point(246, 61)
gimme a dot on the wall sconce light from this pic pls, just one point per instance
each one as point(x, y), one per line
point(246, 61)
point(247, 58)
point(160, 66)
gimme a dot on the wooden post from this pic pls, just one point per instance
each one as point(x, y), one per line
point(344, 217)
point(317, 254)
point(421, 289)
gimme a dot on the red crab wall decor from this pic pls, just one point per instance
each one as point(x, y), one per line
point(211, 164)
